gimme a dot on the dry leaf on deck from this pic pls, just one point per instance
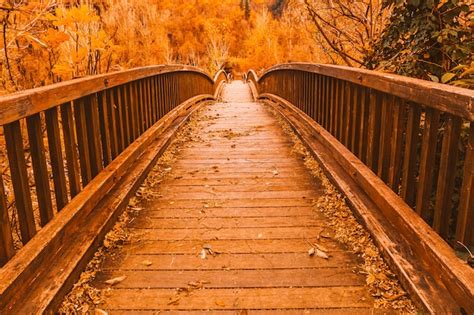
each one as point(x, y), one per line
point(220, 303)
point(174, 300)
point(99, 311)
point(147, 262)
point(370, 279)
point(116, 280)
point(321, 254)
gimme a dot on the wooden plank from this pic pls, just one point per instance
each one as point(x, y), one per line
point(93, 134)
point(385, 134)
point(113, 121)
point(346, 111)
point(70, 144)
point(229, 261)
point(373, 129)
point(236, 187)
point(126, 115)
point(213, 233)
point(225, 222)
point(446, 176)
point(104, 123)
point(364, 105)
point(270, 211)
point(262, 278)
point(56, 155)
point(145, 101)
point(306, 311)
point(19, 176)
point(412, 139)
point(355, 114)
point(427, 162)
point(40, 170)
point(121, 130)
point(265, 298)
point(464, 229)
point(223, 247)
point(396, 141)
point(6, 241)
point(82, 141)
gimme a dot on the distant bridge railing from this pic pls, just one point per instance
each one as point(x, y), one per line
point(89, 122)
point(417, 136)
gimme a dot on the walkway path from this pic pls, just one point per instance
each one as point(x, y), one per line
point(231, 226)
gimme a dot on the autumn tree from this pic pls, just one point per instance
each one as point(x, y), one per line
point(428, 39)
point(347, 29)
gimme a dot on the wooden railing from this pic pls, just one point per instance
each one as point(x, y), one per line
point(88, 123)
point(417, 136)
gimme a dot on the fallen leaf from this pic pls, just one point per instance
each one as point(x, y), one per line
point(147, 262)
point(370, 279)
point(370, 252)
point(203, 254)
point(321, 254)
point(220, 303)
point(321, 248)
point(311, 251)
point(99, 311)
point(116, 280)
point(174, 300)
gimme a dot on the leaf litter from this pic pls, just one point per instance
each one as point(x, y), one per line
point(85, 297)
point(382, 283)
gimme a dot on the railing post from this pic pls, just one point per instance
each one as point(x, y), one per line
point(6, 242)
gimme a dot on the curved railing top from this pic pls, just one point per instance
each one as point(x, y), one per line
point(251, 74)
point(219, 74)
point(25, 103)
point(447, 98)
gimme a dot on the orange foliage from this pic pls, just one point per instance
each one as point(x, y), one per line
point(46, 42)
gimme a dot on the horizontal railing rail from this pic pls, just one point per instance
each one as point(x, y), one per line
point(417, 136)
point(59, 137)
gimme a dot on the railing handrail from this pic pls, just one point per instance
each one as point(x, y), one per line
point(218, 74)
point(29, 102)
point(447, 98)
point(252, 73)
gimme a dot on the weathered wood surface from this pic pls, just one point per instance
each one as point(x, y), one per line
point(424, 262)
point(250, 199)
point(442, 97)
point(22, 104)
point(35, 280)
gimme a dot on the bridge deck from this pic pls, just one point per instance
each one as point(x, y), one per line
point(231, 224)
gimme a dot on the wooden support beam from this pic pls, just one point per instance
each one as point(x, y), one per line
point(56, 155)
point(19, 175)
point(40, 169)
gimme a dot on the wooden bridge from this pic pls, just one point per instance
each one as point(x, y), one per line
point(248, 189)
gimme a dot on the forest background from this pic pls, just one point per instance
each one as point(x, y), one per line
point(48, 41)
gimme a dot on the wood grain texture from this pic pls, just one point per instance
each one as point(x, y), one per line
point(6, 242)
point(450, 99)
point(255, 212)
point(432, 269)
point(40, 170)
point(38, 276)
point(22, 104)
point(19, 176)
